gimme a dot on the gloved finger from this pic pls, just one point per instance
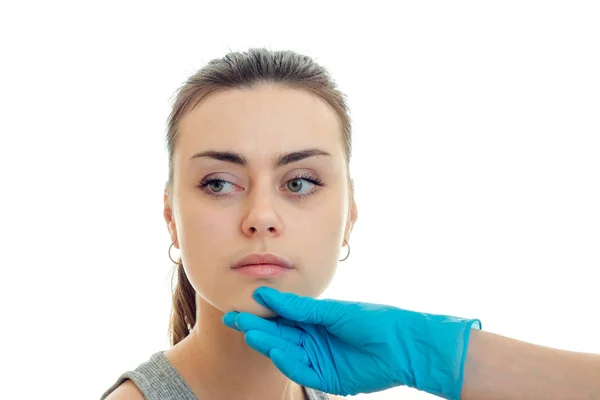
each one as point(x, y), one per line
point(248, 322)
point(299, 308)
point(264, 343)
point(297, 371)
point(229, 320)
point(285, 321)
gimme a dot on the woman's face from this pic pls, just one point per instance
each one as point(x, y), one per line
point(223, 210)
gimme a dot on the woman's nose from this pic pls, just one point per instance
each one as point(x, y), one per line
point(261, 218)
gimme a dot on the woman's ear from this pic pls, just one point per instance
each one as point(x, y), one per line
point(352, 217)
point(168, 215)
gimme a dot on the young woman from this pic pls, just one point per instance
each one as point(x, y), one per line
point(259, 193)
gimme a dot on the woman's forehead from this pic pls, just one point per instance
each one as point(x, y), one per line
point(260, 121)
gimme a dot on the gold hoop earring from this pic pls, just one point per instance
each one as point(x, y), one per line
point(174, 262)
point(347, 255)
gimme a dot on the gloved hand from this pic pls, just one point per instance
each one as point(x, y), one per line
point(346, 348)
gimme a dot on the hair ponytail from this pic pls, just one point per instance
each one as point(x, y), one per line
point(183, 313)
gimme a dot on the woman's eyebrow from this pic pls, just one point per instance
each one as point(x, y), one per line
point(239, 159)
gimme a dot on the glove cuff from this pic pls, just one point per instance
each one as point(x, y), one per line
point(469, 325)
point(438, 351)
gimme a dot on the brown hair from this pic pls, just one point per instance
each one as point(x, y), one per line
point(239, 70)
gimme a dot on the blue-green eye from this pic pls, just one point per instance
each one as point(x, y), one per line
point(214, 187)
point(296, 184)
point(218, 187)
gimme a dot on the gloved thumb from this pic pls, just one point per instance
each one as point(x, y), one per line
point(297, 308)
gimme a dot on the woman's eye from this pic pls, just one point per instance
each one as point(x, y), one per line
point(296, 185)
point(312, 184)
point(215, 187)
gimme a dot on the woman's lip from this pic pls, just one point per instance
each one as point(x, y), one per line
point(262, 270)
point(267, 258)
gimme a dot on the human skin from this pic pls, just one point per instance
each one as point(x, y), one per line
point(503, 368)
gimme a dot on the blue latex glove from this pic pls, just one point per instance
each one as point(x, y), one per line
point(346, 348)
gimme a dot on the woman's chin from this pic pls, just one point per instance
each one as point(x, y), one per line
point(243, 301)
point(258, 310)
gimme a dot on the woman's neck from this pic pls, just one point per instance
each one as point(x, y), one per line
point(216, 363)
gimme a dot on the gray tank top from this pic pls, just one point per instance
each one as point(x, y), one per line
point(157, 379)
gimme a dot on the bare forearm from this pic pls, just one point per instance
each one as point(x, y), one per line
point(502, 368)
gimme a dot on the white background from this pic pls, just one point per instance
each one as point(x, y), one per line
point(476, 163)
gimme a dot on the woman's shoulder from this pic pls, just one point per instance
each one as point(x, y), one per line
point(129, 391)
point(126, 391)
